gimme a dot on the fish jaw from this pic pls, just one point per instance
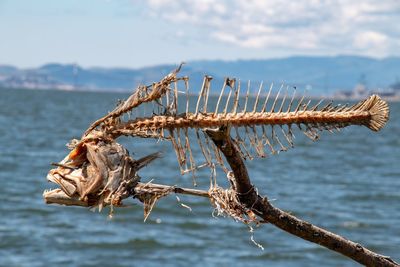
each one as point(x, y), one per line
point(58, 196)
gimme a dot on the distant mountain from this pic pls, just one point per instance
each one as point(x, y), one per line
point(324, 75)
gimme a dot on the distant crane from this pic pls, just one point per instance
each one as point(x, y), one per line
point(75, 70)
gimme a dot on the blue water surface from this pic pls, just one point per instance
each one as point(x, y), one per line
point(348, 182)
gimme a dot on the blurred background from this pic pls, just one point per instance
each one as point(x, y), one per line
point(345, 48)
point(64, 64)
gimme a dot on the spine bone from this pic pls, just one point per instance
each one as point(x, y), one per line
point(212, 120)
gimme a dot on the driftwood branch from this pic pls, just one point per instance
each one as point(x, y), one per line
point(289, 223)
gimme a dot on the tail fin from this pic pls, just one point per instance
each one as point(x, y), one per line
point(379, 110)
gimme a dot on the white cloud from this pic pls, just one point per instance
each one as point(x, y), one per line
point(363, 27)
point(372, 42)
point(370, 39)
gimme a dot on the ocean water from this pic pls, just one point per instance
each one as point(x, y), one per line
point(348, 182)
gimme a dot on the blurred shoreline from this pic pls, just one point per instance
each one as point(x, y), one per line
point(336, 96)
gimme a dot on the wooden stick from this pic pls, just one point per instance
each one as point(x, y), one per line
point(289, 223)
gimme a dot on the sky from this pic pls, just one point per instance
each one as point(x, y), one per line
point(128, 33)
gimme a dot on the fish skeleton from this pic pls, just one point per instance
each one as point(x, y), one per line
point(99, 171)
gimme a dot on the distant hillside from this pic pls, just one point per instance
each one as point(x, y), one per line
point(324, 75)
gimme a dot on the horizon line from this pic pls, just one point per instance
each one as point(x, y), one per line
point(187, 62)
